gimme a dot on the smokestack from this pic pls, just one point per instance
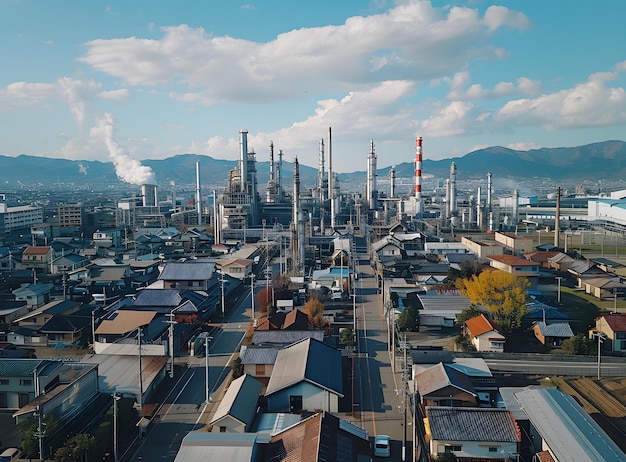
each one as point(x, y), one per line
point(489, 191)
point(331, 186)
point(149, 195)
point(279, 167)
point(243, 159)
point(296, 237)
point(216, 220)
point(452, 188)
point(418, 175)
point(392, 182)
point(557, 219)
point(321, 173)
point(448, 208)
point(372, 193)
point(270, 194)
point(515, 207)
point(198, 196)
point(479, 210)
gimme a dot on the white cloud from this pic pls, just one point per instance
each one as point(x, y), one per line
point(460, 91)
point(457, 118)
point(409, 42)
point(115, 95)
point(589, 104)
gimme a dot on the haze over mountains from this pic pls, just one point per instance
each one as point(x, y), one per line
point(604, 161)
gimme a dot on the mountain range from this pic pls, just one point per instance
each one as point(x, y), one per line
point(603, 161)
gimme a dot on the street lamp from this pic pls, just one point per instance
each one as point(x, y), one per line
point(116, 398)
point(558, 296)
point(206, 365)
point(171, 322)
point(223, 301)
point(601, 337)
point(252, 296)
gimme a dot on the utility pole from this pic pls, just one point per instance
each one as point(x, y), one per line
point(139, 334)
point(171, 342)
point(206, 364)
point(41, 431)
point(223, 301)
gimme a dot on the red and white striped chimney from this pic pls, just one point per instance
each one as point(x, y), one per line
point(418, 169)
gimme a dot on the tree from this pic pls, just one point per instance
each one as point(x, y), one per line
point(446, 457)
point(76, 449)
point(236, 367)
point(314, 309)
point(578, 345)
point(346, 336)
point(409, 319)
point(501, 293)
point(466, 314)
point(265, 299)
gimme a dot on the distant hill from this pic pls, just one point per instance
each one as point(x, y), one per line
point(598, 161)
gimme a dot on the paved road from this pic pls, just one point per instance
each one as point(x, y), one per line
point(185, 408)
point(378, 387)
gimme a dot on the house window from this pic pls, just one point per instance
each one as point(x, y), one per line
point(493, 449)
point(195, 283)
point(223, 429)
point(453, 448)
point(622, 345)
point(260, 369)
point(620, 335)
point(3, 399)
point(4, 381)
point(26, 382)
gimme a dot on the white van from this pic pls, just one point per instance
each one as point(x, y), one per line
point(9, 455)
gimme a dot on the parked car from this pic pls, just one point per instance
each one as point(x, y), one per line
point(382, 447)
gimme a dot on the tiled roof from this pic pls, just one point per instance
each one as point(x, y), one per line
point(256, 354)
point(307, 360)
point(123, 321)
point(540, 256)
point(61, 323)
point(187, 271)
point(321, 437)
point(617, 322)
point(240, 400)
point(512, 260)
point(18, 367)
point(472, 424)
point(36, 251)
point(557, 329)
point(479, 325)
point(440, 376)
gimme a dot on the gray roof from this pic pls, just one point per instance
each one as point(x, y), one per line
point(557, 329)
point(219, 446)
point(569, 432)
point(285, 337)
point(187, 271)
point(472, 424)
point(258, 354)
point(307, 360)
point(19, 367)
point(240, 400)
point(440, 376)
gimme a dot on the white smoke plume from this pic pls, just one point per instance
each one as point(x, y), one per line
point(127, 169)
point(82, 168)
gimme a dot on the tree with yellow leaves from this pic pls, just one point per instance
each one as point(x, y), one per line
point(501, 293)
point(314, 309)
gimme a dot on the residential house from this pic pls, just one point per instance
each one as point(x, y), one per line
point(613, 326)
point(482, 248)
point(442, 385)
point(320, 437)
point(476, 434)
point(64, 329)
point(514, 265)
point(190, 274)
point(70, 389)
point(603, 288)
point(69, 262)
point(258, 361)
point(284, 337)
point(412, 244)
point(581, 269)
point(43, 314)
point(11, 310)
point(307, 375)
point(238, 406)
point(561, 430)
point(34, 295)
point(610, 266)
point(484, 335)
point(37, 258)
point(238, 268)
point(233, 447)
point(552, 334)
point(514, 243)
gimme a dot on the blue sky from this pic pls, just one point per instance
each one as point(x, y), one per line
point(134, 80)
